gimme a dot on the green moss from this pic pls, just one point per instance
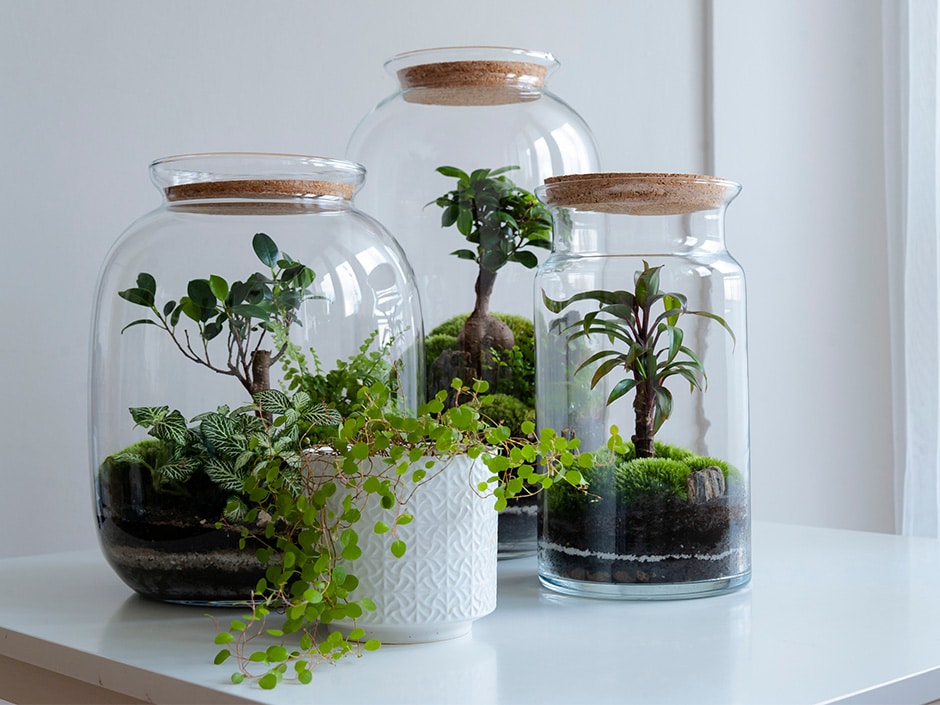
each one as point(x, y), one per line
point(517, 376)
point(656, 477)
point(623, 478)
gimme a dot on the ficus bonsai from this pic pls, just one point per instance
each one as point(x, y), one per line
point(245, 311)
point(644, 324)
point(503, 222)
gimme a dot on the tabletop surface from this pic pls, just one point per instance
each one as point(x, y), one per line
point(830, 615)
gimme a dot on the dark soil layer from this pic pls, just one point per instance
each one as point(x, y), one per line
point(654, 540)
point(165, 545)
point(518, 527)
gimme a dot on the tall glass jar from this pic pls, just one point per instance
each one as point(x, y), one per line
point(251, 261)
point(470, 108)
point(641, 342)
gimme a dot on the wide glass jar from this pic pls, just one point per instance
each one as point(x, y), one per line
point(471, 108)
point(641, 344)
point(256, 272)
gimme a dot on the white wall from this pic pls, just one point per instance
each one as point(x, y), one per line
point(798, 120)
point(92, 91)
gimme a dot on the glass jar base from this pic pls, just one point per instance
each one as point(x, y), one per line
point(644, 591)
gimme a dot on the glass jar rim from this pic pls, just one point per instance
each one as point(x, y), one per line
point(458, 54)
point(638, 193)
point(254, 175)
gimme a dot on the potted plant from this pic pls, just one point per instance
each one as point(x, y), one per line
point(503, 223)
point(655, 513)
point(334, 545)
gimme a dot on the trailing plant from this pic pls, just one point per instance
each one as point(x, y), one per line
point(311, 537)
point(246, 311)
point(504, 223)
point(644, 325)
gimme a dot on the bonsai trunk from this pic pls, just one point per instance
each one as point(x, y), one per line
point(482, 331)
point(645, 416)
point(260, 371)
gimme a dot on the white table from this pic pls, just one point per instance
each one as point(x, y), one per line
point(829, 616)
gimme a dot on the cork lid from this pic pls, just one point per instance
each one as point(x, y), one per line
point(254, 176)
point(254, 188)
point(471, 75)
point(638, 193)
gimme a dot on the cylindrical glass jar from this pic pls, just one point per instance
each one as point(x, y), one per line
point(470, 108)
point(640, 327)
point(254, 266)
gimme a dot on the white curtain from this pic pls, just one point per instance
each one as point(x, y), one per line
point(912, 148)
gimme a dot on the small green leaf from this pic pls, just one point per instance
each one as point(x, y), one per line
point(222, 656)
point(265, 249)
point(219, 287)
point(398, 548)
point(371, 645)
point(224, 638)
point(268, 681)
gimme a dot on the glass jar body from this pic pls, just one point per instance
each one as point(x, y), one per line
point(158, 504)
point(675, 524)
point(470, 108)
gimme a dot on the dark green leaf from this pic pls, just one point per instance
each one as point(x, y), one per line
point(138, 322)
point(465, 254)
point(147, 283)
point(265, 249)
point(138, 296)
point(252, 311)
point(526, 259)
point(621, 388)
point(200, 293)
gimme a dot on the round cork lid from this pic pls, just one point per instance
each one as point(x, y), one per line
point(255, 188)
point(638, 193)
point(471, 75)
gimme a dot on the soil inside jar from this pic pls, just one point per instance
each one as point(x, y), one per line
point(653, 540)
point(165, 545)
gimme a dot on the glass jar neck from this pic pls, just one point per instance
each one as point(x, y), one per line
point(586, 233)
point(471, 75)
point(239, 177)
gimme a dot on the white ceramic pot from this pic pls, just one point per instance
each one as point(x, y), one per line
point(447, 577)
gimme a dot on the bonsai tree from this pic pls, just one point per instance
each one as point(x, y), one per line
point(645, 322)
point(504, 223)
point(245, 311)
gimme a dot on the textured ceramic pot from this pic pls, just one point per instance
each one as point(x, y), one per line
point(447, 577)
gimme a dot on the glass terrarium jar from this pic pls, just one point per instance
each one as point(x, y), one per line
point(257, 272)
point(641, 346)
point(471, 108)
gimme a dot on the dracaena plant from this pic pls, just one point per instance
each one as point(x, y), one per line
point(245, 311)
point(504, 223)
point(647, 347)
